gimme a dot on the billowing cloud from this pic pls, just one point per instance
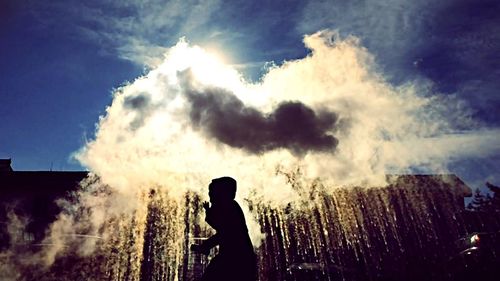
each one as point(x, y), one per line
point(331, 113)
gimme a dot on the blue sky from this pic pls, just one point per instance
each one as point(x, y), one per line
point(61, 60)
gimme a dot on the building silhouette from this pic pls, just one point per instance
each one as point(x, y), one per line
point(32, 195)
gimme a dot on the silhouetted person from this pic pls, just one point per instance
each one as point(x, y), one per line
point(236, 259)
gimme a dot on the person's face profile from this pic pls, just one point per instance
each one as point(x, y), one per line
point(211, 195)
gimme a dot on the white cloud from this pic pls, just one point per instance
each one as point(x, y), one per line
point(391, 23)
point(382, 127)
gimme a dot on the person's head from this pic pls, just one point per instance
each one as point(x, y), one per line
point(222, 189)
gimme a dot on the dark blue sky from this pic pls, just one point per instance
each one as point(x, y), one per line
point(59, 61)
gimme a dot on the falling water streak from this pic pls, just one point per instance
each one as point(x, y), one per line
point(403, 230)
point(378, 233)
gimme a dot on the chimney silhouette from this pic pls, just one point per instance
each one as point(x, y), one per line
point(5, 165)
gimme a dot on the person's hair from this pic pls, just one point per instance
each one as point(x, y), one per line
point(224, 187)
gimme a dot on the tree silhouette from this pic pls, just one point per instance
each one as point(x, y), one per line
point(489, 202)
point(495, 199)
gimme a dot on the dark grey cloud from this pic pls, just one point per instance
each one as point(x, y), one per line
point(136, 102)
point(292, 125)
point(142, 106)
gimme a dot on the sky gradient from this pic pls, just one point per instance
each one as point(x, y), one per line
point(60, 61)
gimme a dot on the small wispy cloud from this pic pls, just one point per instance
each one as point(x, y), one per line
point(133, 30)
point(452, 43)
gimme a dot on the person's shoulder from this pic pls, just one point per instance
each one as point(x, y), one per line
point(230, 206)
point(236, 207)
point(235, 204)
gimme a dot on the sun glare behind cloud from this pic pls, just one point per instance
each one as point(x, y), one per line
point(208, 68)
